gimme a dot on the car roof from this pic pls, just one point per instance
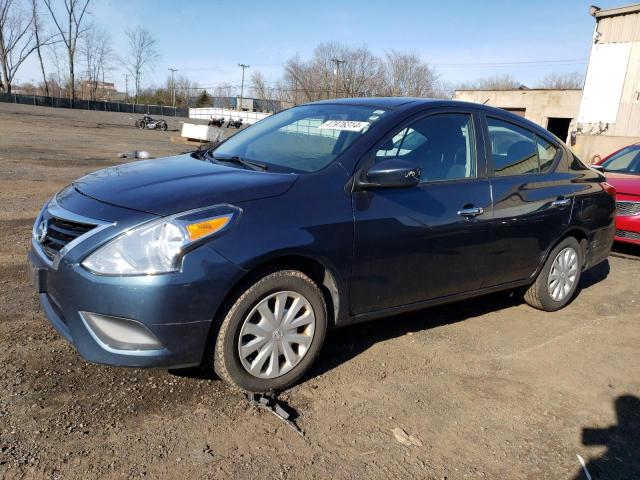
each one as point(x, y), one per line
point(409, 103)
point(381, 102)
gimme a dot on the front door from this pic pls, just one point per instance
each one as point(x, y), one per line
point(424, 242)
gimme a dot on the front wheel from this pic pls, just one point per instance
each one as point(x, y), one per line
point(558, 280)
point(272, 333)
point(163, 127)
point(140, 124)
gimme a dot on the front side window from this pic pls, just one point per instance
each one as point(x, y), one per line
point(517, 151)
point(442, 145)
point(301, 139)
point(626, 160)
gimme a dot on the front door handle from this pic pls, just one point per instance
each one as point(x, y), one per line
point(561, 202)
point(471, 212)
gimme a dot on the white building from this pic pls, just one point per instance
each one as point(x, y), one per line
point(609, 116)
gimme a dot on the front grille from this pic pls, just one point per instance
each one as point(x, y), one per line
point(61, 232)
point(628, 234)
point(627, 209)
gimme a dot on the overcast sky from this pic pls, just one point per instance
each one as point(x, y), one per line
point(462, 39)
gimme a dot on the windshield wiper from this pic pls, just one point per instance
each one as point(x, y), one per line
point(260, 167)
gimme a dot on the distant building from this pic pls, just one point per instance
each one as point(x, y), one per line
point(609, 115)
point(552, 109)
point(104, 90)
point(249, 104)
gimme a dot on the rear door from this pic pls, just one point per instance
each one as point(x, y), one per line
point(532, 198)
point(416, 244)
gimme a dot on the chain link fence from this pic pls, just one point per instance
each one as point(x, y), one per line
point(96, 105)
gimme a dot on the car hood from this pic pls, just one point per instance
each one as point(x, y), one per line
point(176, 184)
point(628, 184)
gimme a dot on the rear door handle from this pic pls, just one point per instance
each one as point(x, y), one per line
point(561, 202)
point(471, 212)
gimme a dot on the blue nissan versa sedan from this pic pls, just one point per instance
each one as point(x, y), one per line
point(326, 214)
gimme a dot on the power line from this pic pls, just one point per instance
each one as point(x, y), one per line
point(570, 61)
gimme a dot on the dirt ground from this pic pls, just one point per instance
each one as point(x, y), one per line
point(489, 388)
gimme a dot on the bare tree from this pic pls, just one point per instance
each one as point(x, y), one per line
point(16, 40)
point(186, 89)
point(224, 91)
point(95, 48)
point(258, 85)
point(563, 81)
point(142, 55)
point(360, 74)
point(37, 33)
point(406, 75)
point(336, 69)
point(497, 82)
point(70, 30)
point(56, 57)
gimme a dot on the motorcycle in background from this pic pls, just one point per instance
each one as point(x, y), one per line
point(234, 123)
point(216, 122)
point(147, 122)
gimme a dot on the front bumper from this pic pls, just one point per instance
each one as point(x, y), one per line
point(177, 308)
point(628, 229)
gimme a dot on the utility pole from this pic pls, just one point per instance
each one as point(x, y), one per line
point(173, 87)
point(243, 66)
point(126, 88)
point(337, 74)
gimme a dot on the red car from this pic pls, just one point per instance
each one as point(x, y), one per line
point(622, 169)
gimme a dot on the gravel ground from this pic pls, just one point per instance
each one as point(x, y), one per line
point(488, 388)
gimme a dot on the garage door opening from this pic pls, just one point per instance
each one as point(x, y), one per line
point(559, 127)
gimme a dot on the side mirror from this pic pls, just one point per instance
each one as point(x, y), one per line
point(392, 173)
point(599, 168)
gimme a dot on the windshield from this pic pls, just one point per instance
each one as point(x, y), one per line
point(301, 139)
point(626, 160)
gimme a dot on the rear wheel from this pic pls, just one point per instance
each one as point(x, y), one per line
point(272, 333)
point(558, 280)
point(139, 124)
point(163, 127)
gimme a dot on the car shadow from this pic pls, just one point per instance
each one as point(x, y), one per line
point(346, 343)
point(594, 275)
point(627, 249)
point(343, 344)
point(621, 460)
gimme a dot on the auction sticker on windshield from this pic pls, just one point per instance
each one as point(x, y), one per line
point(346, 125)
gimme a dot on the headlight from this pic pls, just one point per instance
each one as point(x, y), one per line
point(158, 246)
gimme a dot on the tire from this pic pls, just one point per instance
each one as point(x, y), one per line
point(243, 317)
point(163, 127)
point(551, 294)
point(140, 124)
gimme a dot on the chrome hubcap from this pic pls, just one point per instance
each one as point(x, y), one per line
point(276, 335)
point(563, 274)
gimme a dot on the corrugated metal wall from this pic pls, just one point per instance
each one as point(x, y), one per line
point(622, 28)
point(603, 139)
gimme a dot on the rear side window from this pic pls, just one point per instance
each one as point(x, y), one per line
point(517, 151)
point(546, 153)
